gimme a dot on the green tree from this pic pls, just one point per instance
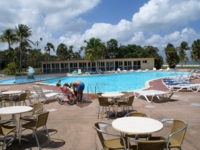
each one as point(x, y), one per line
point(35, 56)
point(131, 51)
point(153, 52)
point(48, 48)
point(10, 37)
point(23, 32)
point(195, 53)
point(181, 49)
point(11, 69)
point(172, 57)
point(112, 48)
point(62, 51)
point(94, 50)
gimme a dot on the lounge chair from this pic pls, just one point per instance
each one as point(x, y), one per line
point(154, 69)
point(152, 93)
point(74, 72)
point(41, 94)
point(168, 69)
point(118, 70)
point(189, 87)
point(100, 71)
point(79, 72)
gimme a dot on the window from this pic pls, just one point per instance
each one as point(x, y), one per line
point(144, 61)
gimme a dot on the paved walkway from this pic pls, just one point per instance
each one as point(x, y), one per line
point(70, 127)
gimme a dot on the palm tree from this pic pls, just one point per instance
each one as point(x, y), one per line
point(23, 32)
point(112, 48)
point(61, 51)
point(70, 52)
point(195, 53)
point(48, 48)
point(181, 49)
point(151, 50)
point(94, 50)
point(171, 55)
point(37, 42)
point(10, 37)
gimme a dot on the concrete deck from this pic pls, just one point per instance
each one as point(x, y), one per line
point(70, 127)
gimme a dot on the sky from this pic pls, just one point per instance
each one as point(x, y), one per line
point(140, 22)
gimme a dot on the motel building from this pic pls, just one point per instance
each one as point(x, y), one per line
point(66, 66)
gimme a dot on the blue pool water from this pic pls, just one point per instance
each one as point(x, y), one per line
point(24, 80)
point(115, 82)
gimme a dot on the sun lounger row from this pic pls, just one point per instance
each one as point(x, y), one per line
point(176, 85)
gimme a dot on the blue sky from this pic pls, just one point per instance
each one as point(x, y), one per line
point(141, 22)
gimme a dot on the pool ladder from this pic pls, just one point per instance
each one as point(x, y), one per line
point(90, 89)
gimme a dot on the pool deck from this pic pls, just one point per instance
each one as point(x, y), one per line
point(70, 127)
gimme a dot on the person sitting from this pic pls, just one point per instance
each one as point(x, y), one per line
point(78, 87)
point(66, 89)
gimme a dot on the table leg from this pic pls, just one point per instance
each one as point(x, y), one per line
point(17, 135)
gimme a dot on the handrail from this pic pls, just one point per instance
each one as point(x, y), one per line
point(96, 87)
point(89, 87)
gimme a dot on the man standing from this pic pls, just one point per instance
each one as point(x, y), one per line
point(79, 87)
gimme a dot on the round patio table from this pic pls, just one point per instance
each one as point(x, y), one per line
point(137, 125)
point(11, 92)
point(113, 95)
point(13, 110)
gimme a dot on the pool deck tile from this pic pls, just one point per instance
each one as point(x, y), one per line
point(70, 127)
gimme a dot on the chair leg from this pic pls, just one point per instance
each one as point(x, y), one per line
point(45, 127)
point(108, 113)
point(36, 139)
point(99, 108)
point(4, 142)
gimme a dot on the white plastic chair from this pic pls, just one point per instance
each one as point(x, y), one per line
point(79, 72)
point(41, 94)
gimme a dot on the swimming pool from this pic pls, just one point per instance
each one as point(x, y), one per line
point(114, 82)
point(24, 79)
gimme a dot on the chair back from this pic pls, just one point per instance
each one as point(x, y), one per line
point(98, 94)
point(22, 97)
point(100, 135)
point(121, 144)
point(5, 96)
point(42, 119)
point(137, 114)
point(28, 92)
point(130, 100)
point(178, 131)
point(151, 145)
point(39, 91)
point(37, 108)
point(103, 101)
point(125, 96)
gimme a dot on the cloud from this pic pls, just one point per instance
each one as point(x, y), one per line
point(157, 23)
point(160, 14)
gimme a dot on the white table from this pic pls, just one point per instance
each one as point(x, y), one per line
point(113, 95)
point(137, 125)
point(13, 110)
point(11, 92)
